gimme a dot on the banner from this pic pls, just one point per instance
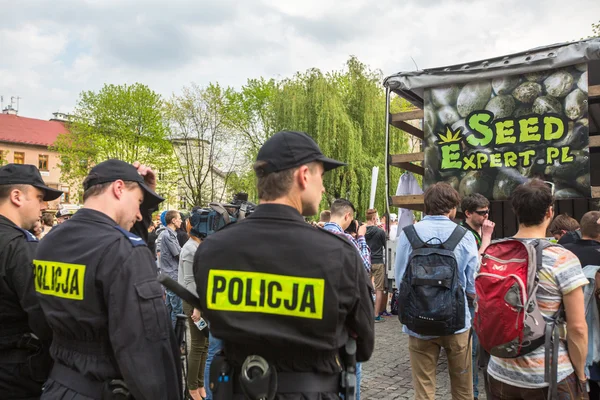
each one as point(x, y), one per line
point(490, 136)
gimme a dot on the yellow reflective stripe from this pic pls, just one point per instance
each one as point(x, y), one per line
point(59, 279)
point(265, 293)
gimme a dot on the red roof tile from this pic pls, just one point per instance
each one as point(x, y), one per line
point(16, 129)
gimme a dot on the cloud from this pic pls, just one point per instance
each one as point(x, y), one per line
point(51, 51)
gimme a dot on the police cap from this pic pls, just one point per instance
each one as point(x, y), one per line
point(289, 149)
point(26, 174)
point(112, 170)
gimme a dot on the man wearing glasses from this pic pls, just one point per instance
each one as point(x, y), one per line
point(477, 210)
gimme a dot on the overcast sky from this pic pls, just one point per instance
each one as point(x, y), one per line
point(50, 51)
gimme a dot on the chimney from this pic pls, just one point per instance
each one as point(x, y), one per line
point(60, 117)
point(9, 110)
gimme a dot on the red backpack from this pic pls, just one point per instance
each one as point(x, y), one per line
point(508, 321)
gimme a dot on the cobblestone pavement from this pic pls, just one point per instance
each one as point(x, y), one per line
point(387, 376)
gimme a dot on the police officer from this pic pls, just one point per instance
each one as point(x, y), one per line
point(97, 286)
point(275, 287)
point(24, 333)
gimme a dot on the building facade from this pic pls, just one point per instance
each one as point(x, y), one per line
point(27, 141)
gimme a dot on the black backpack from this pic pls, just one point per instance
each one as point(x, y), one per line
point(394, 302)
point(431, 299)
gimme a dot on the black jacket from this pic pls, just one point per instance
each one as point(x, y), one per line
point(376, 239)
point(275, 286)
point(98, 288)
point(588, 251)
point(20, 314)
point(570, 237)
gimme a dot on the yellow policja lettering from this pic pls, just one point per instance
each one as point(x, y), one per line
point(59, 279)
point(265, 293)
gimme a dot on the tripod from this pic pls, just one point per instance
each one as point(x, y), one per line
point(181, 335)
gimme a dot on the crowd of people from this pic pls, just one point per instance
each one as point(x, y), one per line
point(83, 315)
point(567, 291)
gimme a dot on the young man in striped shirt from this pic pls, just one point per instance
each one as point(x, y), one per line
point(560, 282)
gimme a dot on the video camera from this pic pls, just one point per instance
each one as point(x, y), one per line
point(206, 221)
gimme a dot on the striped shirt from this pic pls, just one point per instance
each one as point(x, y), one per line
point(560, 274)
point(360, 243)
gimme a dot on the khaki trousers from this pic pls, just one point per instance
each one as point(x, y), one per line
point(424, 355)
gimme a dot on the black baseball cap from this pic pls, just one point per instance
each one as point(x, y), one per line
point(289, 149)
point(112, 170)
point(26, 174)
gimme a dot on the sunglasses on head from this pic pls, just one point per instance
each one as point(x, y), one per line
point(551, 186)
point(482, 212)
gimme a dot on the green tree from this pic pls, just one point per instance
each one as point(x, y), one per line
point(595, 30)
point(118, 121)
point(344, 111)
point(207, 147)
point(252, 113)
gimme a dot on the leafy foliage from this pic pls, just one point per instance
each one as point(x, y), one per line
point(344, 111)
point(119, 121)
point(203, 141)
point(595, 30)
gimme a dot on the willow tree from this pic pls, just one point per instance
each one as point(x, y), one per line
point(344, 111)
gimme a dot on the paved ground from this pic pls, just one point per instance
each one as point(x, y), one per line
point(387, 376)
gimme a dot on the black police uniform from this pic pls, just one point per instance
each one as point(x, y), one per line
point(24, 361)
point(24, 333)
point(274, 286)
point(97, 286)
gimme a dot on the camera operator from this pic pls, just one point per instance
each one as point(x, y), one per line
point(284, 297)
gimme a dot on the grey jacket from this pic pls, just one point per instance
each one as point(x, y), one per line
point(185, 275)
point(169, 253)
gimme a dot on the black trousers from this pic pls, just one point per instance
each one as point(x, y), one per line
point(16, 382)
point(54, 390)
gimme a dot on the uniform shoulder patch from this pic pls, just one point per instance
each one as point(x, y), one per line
point(133, 239)
point(28, 235)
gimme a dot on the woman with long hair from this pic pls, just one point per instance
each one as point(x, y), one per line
point(199, 342)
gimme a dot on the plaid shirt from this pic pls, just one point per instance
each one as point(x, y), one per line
point(360, 243)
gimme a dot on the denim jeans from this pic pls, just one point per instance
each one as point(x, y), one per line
point(214, 345)
point(174, 305)
point(474, 358)
point(358, 377)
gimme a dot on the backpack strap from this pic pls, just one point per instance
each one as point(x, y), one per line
point(413, 238)
point(551, 357)
point(552, 333)
point(455, 238)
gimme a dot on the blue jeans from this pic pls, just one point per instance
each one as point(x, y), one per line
point(358, 377)
point(174, 305)
point(214, 345)
point(475, 366)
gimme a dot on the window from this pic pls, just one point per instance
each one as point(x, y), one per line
point(65, 198)
point(43, 162)
point(19, 157)
point(3, 154)
point(183, 204)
